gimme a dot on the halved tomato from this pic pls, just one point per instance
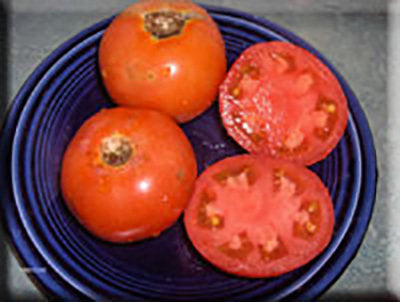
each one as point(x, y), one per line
point(280, 100)
point(259, 216)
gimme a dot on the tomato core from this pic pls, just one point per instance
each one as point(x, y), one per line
point(116, 150)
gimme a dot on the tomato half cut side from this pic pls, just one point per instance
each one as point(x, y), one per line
point(257, 216)
point(280, 100)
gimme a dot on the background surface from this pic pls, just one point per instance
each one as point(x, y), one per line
point(358, 37)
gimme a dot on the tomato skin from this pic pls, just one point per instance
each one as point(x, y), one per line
point(252, 208)
point(280, 100)
point(138, 199)
point(178, 75)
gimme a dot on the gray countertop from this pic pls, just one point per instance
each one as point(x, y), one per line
point(358, 37)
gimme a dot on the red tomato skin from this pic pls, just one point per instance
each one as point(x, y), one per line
point(144, 196)
point(279, 107)
point(178, 75)
point(204, 240)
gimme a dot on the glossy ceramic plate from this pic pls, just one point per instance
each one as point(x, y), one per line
point(67, 262)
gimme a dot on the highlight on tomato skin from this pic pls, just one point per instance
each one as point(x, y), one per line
point(167, 55)
point(127, 174)
point(258, 217)
point(280, 100)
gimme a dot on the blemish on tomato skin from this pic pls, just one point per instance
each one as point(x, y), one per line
point(169, 70)
point(129, 72)
point(180, 175)
point(187, 189)
point(104, 185)
point(151, 76)
point(165, 72)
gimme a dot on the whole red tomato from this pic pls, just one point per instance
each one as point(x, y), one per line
point(128, 173)
point(163, 55)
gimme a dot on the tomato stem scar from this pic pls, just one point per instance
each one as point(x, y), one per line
point(166, 23)
point(116, 150)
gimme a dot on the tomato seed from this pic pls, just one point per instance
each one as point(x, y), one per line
point(236, 92)
point(272, 250)
point(217, 221)
point(322, 133)
point(312, 208)
point(330, 108)
point(252, 71)
point(310, 227)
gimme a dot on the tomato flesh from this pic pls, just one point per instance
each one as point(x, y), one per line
point(280, 100)
point(259, 216)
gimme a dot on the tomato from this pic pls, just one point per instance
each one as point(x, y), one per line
point(164, 55)
point(127, 174)
point(256, 216)
point(282, 101)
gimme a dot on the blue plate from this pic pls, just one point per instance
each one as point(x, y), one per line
point(67, 262)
